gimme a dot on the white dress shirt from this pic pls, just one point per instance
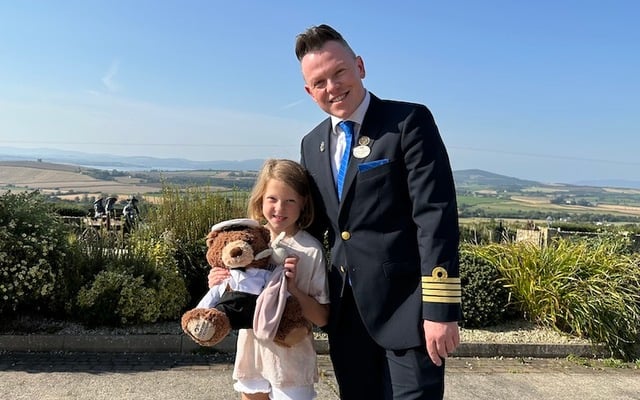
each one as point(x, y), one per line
point(337, 142)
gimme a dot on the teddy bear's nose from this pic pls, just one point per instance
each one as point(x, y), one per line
point(235, 252)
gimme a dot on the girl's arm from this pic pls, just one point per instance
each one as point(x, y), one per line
point(315, 312)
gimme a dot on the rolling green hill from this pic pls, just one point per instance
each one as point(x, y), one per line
point(476, 179)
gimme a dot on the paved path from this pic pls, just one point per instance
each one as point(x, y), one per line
point(121, 376)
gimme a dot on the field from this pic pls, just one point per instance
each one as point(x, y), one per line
point(483, 196)
point(64, 181)
point(542, 203)
point(71, 182)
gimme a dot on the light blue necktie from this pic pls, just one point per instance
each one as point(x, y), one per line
point(347, 127)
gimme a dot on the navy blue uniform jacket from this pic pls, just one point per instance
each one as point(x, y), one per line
point(394, 237)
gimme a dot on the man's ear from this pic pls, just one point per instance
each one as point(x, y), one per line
point(308, 90)
point(360, 64)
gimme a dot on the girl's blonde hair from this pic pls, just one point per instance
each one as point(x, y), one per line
point(293, 175)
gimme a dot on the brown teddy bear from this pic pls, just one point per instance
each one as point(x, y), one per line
point(242, 246)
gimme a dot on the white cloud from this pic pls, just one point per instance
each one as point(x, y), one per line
point(292, 105)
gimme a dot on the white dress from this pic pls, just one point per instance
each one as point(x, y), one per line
point(295, 366)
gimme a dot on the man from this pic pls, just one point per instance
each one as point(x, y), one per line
point(393, 231)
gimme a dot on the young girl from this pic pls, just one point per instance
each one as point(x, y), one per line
point(264, 370)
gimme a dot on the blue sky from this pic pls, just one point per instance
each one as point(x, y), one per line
point(544, 90)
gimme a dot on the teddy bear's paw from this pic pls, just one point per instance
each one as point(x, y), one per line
point(206, 327)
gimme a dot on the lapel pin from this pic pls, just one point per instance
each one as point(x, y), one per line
point(363, 149)
point(321, 146)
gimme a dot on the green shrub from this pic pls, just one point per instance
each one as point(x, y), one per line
point(576, 227)
point(33, 247)
point(611, 242)
point(140, 284)
point(88, 259)
point(582, 288)
point(485, 300)
point(192, 264)
point(149, 275)
point(117, 298)
point(170, 288)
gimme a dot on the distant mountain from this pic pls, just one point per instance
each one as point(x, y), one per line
point(123, 163)
point(616, 183)
point(474, 178)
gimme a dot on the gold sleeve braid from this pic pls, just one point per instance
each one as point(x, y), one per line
point(439, 288)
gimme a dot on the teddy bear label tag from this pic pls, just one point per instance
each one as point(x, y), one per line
point(202, 329)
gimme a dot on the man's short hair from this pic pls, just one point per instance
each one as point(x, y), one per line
point(315, 37)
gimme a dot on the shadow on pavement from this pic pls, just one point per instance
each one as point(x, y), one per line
point(111, 362)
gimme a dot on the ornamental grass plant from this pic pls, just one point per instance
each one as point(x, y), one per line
point(184, 217)
point(588, 289)
point(189, 213)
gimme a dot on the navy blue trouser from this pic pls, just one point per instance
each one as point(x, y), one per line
point(364, 370)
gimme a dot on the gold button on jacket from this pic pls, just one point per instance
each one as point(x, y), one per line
point(345, 235)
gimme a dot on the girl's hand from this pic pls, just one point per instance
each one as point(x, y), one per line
point(217, 275)
point(290, 271)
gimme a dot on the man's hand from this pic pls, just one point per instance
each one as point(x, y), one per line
point(217, 275)
point(442, 339)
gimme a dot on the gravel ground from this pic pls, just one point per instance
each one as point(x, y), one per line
point(518, 332)
point(511, 332)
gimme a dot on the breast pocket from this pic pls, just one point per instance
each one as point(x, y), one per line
point(368, 171)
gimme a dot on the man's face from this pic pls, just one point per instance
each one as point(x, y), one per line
point(333, 78)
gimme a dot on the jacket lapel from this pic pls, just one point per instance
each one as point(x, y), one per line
point(326, 182)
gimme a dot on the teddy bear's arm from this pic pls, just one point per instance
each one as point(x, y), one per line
point(213, 295)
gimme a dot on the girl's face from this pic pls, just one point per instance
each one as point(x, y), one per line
point(281, 207)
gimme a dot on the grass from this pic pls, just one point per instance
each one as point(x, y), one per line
point(588, 290)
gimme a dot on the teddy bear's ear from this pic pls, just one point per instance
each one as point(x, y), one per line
point(211, 237)
point(265, 234)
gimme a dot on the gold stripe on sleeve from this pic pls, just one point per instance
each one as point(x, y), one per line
point(435, 299)
point(439, 288)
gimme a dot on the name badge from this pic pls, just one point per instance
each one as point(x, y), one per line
point(361, 151)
